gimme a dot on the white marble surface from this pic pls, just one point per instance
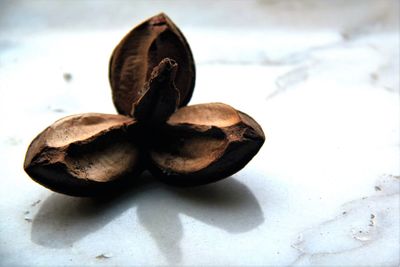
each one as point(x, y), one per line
point(321, 77)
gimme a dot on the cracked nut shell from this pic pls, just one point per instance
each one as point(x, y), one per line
point(161, 97)
point(141, 50)
point(84, 155)
point(205, 143)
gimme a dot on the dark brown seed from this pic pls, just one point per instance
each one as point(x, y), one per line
point(140, 51)
point(205, 143)
point(151, 73)
point(161, 98)
point(85, 154)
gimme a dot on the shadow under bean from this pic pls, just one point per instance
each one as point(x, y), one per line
point(229, 205)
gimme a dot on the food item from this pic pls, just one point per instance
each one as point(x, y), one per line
point(205, 143)
point(81, 154)
point(152, 77)
point(161, 97)
point(142, 49)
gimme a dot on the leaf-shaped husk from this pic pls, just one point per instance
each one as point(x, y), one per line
point(140, 51)
point(85, 155)
point(205, 143)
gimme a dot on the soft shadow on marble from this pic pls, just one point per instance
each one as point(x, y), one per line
point(325, 90)
point(229, 205)
point(63, 220)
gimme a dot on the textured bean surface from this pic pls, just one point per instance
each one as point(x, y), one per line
point(321, 78)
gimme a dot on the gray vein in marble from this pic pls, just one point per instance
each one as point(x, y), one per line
point(367, 25)
point(289, 79)
point(355, 51)
point(362, 224)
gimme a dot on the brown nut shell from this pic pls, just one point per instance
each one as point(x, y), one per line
point(140, 51)
point(205, 143)
point(85, 154)
point(161, 97)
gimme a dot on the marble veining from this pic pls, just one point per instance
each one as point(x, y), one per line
point(321, 77)
point(367, 226)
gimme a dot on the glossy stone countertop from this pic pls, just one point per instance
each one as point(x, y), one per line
point(322, 79)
